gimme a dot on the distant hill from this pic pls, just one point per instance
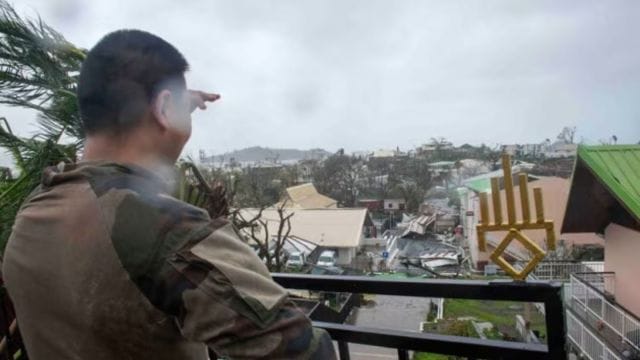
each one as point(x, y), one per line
point(258, 153)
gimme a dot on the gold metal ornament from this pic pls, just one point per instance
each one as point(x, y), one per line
point(514, 226)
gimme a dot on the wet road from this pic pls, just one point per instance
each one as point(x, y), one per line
point(389, 312)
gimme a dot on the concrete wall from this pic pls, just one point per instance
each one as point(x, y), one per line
point(380, 242)
point(472, 203)
point(346, 255)
point(394, 204)
point(621, 252)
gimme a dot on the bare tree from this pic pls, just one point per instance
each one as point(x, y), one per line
point(256, 231)
point(567, 134)
point(209, 192)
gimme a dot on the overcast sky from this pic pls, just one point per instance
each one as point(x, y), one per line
point(370, 74)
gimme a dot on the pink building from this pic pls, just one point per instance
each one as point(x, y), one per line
point(604, 308)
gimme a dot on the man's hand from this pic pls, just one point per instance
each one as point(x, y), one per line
point(200, 98)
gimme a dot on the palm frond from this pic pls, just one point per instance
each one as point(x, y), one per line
point(38, 70)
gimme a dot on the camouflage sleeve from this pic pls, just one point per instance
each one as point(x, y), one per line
point(198, 271)
point(232, 304)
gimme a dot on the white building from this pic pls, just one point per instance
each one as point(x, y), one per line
point(394, 204)
point(342, 230)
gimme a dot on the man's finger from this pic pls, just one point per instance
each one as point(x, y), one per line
point(204, 96)
point(199, 99)
point(209, 96)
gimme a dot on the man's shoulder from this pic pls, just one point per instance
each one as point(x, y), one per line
point(148, 219)
point(147, 225)
point(135, 198)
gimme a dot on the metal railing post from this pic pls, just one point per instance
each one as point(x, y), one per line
point(343, 350)
point(403, 354)
point(554, 319)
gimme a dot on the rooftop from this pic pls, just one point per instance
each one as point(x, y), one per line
point(605, 188)
point(306, 196)
point(323, 227)
point(618, 168)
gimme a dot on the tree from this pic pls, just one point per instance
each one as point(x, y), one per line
point(258, 186)
point(256, 231)
point(207, 189)
point(209, 195)
point(38, 71)
point(339, 177)
point(490, 156)
point(567, 134)
point(442, 149)
point(412, 195)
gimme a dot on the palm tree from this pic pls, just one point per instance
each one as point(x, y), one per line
point(38, 71)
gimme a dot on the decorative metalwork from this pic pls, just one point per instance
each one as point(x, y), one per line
point(514, 226)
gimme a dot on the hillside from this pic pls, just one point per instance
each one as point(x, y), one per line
point(258, 153)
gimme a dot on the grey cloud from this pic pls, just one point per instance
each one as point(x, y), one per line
point(368, 74)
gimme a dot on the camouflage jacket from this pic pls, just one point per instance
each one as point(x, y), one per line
point(104, 264)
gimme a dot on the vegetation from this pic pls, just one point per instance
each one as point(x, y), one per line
point(430, 356)
point(339, 177)
point(500, 313)
point(270, 247)
point(38, 71)
point(449, 327)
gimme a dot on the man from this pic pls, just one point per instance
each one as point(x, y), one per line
point(104, 264)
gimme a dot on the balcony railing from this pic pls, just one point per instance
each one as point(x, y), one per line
point(589, 343)
point(532, 291)
point(591, 300)
point(562, 270)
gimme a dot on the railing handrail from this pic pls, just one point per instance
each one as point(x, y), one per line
point(549, 293)
point(435, 343)
point(613, 305)
point(581, 276)
point(590, 285)
point(530, 291)
point(561, 269)
point(607, 353)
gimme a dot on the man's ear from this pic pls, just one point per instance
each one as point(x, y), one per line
point(160, 108)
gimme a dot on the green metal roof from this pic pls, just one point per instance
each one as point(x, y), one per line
point(479, 185)
point(618, 168)
point(442, 163)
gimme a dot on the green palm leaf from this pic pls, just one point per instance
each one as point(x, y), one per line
point(39, 71)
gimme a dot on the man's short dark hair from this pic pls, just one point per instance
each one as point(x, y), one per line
point(122, 74)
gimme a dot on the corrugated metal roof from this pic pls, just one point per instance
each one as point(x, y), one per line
point(442, 163)
point(618, 168)
point(306, 196)
point(323, 227)
point(482, 182)
point(479, 185)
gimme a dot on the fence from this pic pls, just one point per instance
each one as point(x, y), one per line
point(562, 270)
point(588, 343)
point(535, 291)
point(589, 299)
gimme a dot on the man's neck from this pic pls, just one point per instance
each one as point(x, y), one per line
point(123, 151)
